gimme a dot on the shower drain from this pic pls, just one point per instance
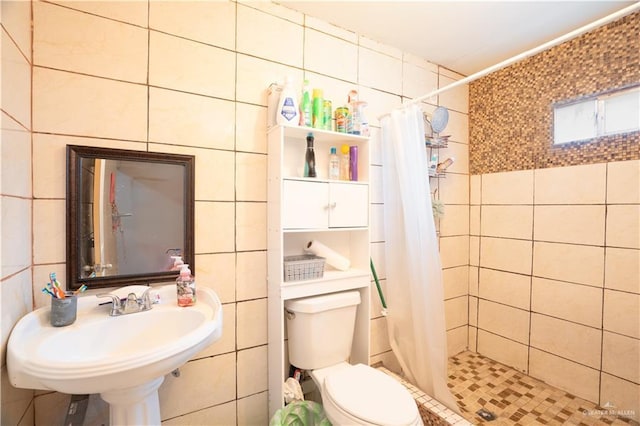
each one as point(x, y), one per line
point(486, 414)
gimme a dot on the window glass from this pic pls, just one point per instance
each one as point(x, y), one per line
point(575, 122)
point(622, 112)
point(598, 115)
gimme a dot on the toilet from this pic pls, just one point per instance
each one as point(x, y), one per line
point(320, 331)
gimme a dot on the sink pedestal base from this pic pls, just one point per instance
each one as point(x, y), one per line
point(134, 406)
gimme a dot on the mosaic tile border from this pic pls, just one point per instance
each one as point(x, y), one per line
point(510, 110)
point(433, 413)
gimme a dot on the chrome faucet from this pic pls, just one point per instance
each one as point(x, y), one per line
point(130, 305)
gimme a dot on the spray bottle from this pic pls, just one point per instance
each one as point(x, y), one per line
point(186, 287)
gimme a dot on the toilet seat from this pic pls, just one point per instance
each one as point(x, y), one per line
point(363, 395)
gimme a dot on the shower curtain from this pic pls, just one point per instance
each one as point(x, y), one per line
point(414, 291)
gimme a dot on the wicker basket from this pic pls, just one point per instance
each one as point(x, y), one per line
point(303, 267)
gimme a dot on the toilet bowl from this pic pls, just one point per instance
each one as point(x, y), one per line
point(361, 395)
point(351, 394)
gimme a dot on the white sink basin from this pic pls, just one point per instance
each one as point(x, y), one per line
point(123, 358)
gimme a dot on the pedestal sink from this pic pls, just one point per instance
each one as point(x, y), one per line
point(123, 358)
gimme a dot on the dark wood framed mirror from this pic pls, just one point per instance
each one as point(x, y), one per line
point(128, 213)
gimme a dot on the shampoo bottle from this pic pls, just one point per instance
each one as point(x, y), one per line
point(186, 287)
point(288, 113)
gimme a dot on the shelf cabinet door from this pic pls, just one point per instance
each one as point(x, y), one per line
point(305, 205)
point(349, 205)
point(322, 205)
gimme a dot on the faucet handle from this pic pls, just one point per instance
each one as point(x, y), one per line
point(114, 298)
point(145, 299)
point(115, 302)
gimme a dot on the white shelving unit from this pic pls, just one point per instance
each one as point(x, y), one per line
point(300, 209)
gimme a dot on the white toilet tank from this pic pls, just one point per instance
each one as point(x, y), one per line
point(320, 329)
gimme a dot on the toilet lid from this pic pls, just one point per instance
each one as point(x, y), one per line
point(371, 395)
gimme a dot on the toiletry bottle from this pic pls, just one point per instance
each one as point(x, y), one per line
point(334, 164)
point(344, 162)
point(288, 113)
point(310, 158)
point(342, 116)
point(364, 123)
point(433, 164)
point(305, 105)
point(442, 167)
point(353, 163)
point(327, 113)
point(359, 124)
point(352, 98)
point(317, 114)
point(186, 287)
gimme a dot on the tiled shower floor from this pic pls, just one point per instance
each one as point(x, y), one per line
point(515, 398)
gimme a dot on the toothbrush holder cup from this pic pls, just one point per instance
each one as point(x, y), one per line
point(63, 311)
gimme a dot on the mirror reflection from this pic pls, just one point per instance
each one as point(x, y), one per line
point(132, 213)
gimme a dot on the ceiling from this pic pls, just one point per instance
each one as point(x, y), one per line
point(464, 36)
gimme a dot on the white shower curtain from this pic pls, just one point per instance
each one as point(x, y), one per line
point(414, 290)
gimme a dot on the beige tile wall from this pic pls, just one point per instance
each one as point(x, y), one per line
point(16, 197)
point(191, 78)
point(557, 290)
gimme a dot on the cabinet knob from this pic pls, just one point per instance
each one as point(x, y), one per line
point(333, 205)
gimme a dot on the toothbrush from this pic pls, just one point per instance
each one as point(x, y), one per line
point(82, 288)
point(52, 290)
point(54, 281)
point(47, 291)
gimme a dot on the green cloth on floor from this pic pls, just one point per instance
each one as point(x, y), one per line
point(300, 413)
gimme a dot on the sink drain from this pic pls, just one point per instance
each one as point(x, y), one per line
point(486, 414)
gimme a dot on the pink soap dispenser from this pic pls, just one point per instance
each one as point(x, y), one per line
point(186, 287)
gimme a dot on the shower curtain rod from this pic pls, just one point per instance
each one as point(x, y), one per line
point(568, 36)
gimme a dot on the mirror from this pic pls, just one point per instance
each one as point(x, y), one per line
point(128, 212)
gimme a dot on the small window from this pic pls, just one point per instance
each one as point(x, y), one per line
point(601, 115)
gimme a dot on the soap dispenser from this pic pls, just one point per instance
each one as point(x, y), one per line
point(186, 287)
